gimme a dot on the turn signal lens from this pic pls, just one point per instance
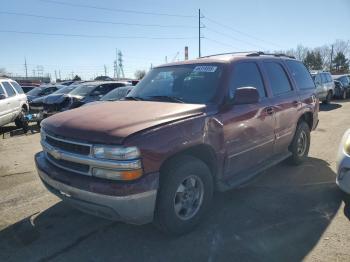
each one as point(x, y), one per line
point(125, 175)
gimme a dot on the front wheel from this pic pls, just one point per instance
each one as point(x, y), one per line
point(300, 144)
point(328, 98)
point(20, 121)
point(185, 194)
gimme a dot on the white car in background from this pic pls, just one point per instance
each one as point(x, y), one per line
point(343, 163)
point(13, 103)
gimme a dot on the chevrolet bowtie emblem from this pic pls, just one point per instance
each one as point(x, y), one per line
point(56, 154)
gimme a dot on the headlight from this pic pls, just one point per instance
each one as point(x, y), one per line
point(125, 175)
point(116, 152)
point(347, 145)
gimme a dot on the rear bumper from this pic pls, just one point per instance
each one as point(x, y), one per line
point(134, 208)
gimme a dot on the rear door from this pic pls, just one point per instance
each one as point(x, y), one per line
point(12, 101)
point(284, 102)
point(5, 113)
point(248, 129)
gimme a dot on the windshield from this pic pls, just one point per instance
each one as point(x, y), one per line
point(65, 90)
point(196, 83)
point(83, 90)
point(116, 94)
point(35, 91)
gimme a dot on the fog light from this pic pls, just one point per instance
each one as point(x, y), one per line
point(124, 175)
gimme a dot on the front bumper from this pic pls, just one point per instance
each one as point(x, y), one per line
point(343, 167)
point(136, 208)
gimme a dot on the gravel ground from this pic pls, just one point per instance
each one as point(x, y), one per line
point(286, 214)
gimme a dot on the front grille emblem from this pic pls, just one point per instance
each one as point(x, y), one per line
point(56, 154)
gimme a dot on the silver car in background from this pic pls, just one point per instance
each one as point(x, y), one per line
point(324, 85)
point(343, 163)
point(13, 103)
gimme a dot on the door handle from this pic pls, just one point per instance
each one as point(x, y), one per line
point(269, 110)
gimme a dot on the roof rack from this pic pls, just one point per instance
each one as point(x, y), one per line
point(276, 54)
point(252, 53)
point(230, 53)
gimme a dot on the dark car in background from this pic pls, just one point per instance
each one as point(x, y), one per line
point(37, 104)
point(342, 88)
point(82, 94)
point(26, 89)
point(41, 91)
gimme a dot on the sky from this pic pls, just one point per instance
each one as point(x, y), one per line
point(84, 34)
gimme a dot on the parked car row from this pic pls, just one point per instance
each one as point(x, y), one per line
point(331, 86)
point(71, 96)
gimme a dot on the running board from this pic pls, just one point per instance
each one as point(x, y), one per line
point(240, 179)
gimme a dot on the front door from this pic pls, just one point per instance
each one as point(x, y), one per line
point(248, 129)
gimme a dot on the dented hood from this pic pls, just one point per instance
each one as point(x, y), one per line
point(111, 122)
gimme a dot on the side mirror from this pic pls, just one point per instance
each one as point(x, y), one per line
point(2, 96)
point(246, 95)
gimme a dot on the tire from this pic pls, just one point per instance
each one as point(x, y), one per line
point(328, 98)
point(344, 95)
point(170, 216)
point(20, 121)
point(301, 144)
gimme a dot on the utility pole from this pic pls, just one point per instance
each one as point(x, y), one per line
point(105, 68)
point(330, 66)
point(120, 71)
point(199, 32)
point(59, 74)
point(25, 66)
point(55, 76)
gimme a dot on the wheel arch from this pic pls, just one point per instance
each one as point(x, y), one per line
point(308, 118)
point(203, 152)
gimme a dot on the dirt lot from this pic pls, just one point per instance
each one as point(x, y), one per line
point(286, 214)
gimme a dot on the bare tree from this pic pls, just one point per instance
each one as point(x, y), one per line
point(341, 46)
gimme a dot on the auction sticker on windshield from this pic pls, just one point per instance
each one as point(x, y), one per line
point(205, 69)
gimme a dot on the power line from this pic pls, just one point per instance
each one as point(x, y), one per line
point(95, 36)
point(240, 32)
point(234, 38)
point(94, 21)
point(220, 43)
point(116, 9)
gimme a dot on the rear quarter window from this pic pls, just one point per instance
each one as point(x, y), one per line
point(300, 74)
point(17, 87)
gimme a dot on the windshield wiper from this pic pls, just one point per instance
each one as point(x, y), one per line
point(169, 98)
point(133, 98)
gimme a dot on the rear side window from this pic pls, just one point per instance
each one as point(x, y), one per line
point(9, 89)
point(300, 74)
point(278, 79)
point(324, 78)
point(17, 87)
point(244, 75)
point(104, 89)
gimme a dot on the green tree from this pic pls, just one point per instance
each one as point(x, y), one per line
point(340, 63)
point(77, 78)
point(309, 60)
point(318, 62)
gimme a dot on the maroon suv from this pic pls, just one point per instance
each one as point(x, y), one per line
point(186, 130)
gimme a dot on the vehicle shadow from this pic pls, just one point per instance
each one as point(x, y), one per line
point(11, 131)
point(279, 216)
point(329, 107)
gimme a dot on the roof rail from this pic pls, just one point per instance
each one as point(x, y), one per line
point(230, 53)
point(276, 54)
